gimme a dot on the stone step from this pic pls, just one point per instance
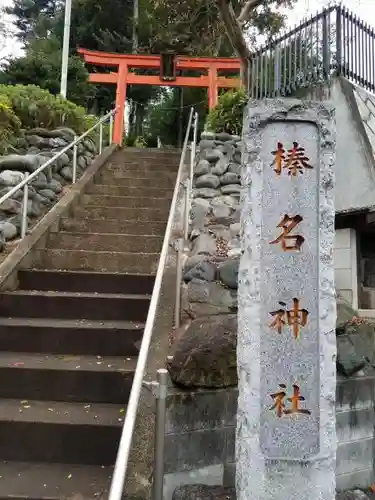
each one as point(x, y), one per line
point(111, 262)
point(77, 337)
point(83, 281)
point(67, 305)
point(152, 169)
point(119, 171)
point(129, 214)
point(106, 177)
point(87, 379)
point(53, 431)
point(105, 242)
point(113, 226)
point(53, 481)
point(102, 200)
point(146, 192)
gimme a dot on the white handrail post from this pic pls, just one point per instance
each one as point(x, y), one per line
point(75, 154)
point(177, 306)
point(159, 444)
point(100, 138)
point(25, 202)
point(110, 129)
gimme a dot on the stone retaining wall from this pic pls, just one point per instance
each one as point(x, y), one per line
point(36, 148)
point(200, 435)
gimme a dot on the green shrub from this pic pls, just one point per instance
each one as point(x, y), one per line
point(9, 123)
point(228, 114)
point(36, 107)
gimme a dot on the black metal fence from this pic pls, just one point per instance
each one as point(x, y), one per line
point(334, 42)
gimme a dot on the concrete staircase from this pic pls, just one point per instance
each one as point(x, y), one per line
point(70, 333)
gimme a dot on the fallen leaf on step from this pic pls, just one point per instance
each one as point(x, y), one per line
point(24, 402)
point(70, 476)
point(18, 363)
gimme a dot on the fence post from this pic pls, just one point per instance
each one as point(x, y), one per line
point(177, 307)
point(75, 151)
point(100, 137)
point(24, 208)
point(110, 140)
point(160, 418)
point(338, 40)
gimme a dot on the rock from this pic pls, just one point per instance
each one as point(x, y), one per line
point(201, 202)
point(228, 273)
point(39, 142)
point(200, 208)
point(349, 361)
point(228, 201)
point(345, 313)
point(204, 270)
point(40, 181)
point(10, 206)
point(205, 355)
point(48, 193)
point(16, 220)
point(235, 229)
point(203, 167)
point(223, 136)
point(231, 189)
point(221, 166)
point(205, 144)
point(22, 163)
point(8, 229)
point(33, 208)
point(234, 168)
point(206, 135)
point(81, 162)
point(65, 132)
point(238, 156)
point(212, 155)
point(67, 173)
point(352, 495)
point(58, 142)
point(90, 145)
point(362, 335)
point(230, 178)
point(2, 242)
point(193, 261)
point(42, 132)
point(220, 211)
point(54, 185)
point(211, 293)
point(205, 244)
point(207, 181)
point(11, 177)
point(205, 492)
point(205, 193)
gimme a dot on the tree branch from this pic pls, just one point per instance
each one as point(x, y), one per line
point(233, 29)
point(249, 5)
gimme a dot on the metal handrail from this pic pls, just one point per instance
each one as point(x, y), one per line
point(120, 470)
point(29, 177)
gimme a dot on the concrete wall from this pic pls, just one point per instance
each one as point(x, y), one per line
point(346, 272)
point(200, 435)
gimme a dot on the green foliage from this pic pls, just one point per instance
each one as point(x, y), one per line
point(41, 66)
point(228, 114)
point(9, 123)
point(36, 107)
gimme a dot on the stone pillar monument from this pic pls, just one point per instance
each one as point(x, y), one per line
point(286, 438)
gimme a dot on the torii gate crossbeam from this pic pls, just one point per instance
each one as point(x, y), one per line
point(123, 77)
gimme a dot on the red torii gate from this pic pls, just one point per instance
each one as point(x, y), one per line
point(123, 77)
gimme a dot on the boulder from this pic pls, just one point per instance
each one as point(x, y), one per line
point(231, 189)
point(221, 211)
point(345, 313)
point(10, 206)
point(193, 261)
point(202, 167)
point(349, 361)
point(205, 193)
point(11, 177)
point(228, 272)
point(212, 155)
point(221, 166)
point(204, 270)
point(205, 144)
point(223, 136)
point(8, 229)
point(67, 173)
point(214, 294)
point(207, 181)
point(352, 495)
point(204, 244)
point(230, 178)
point(205, 355)
point(21, 163)
point(207, 135)
point(234, 168)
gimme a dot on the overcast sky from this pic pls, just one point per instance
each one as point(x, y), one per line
point(365, 9)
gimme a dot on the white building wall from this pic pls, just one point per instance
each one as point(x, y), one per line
point(346, 272)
